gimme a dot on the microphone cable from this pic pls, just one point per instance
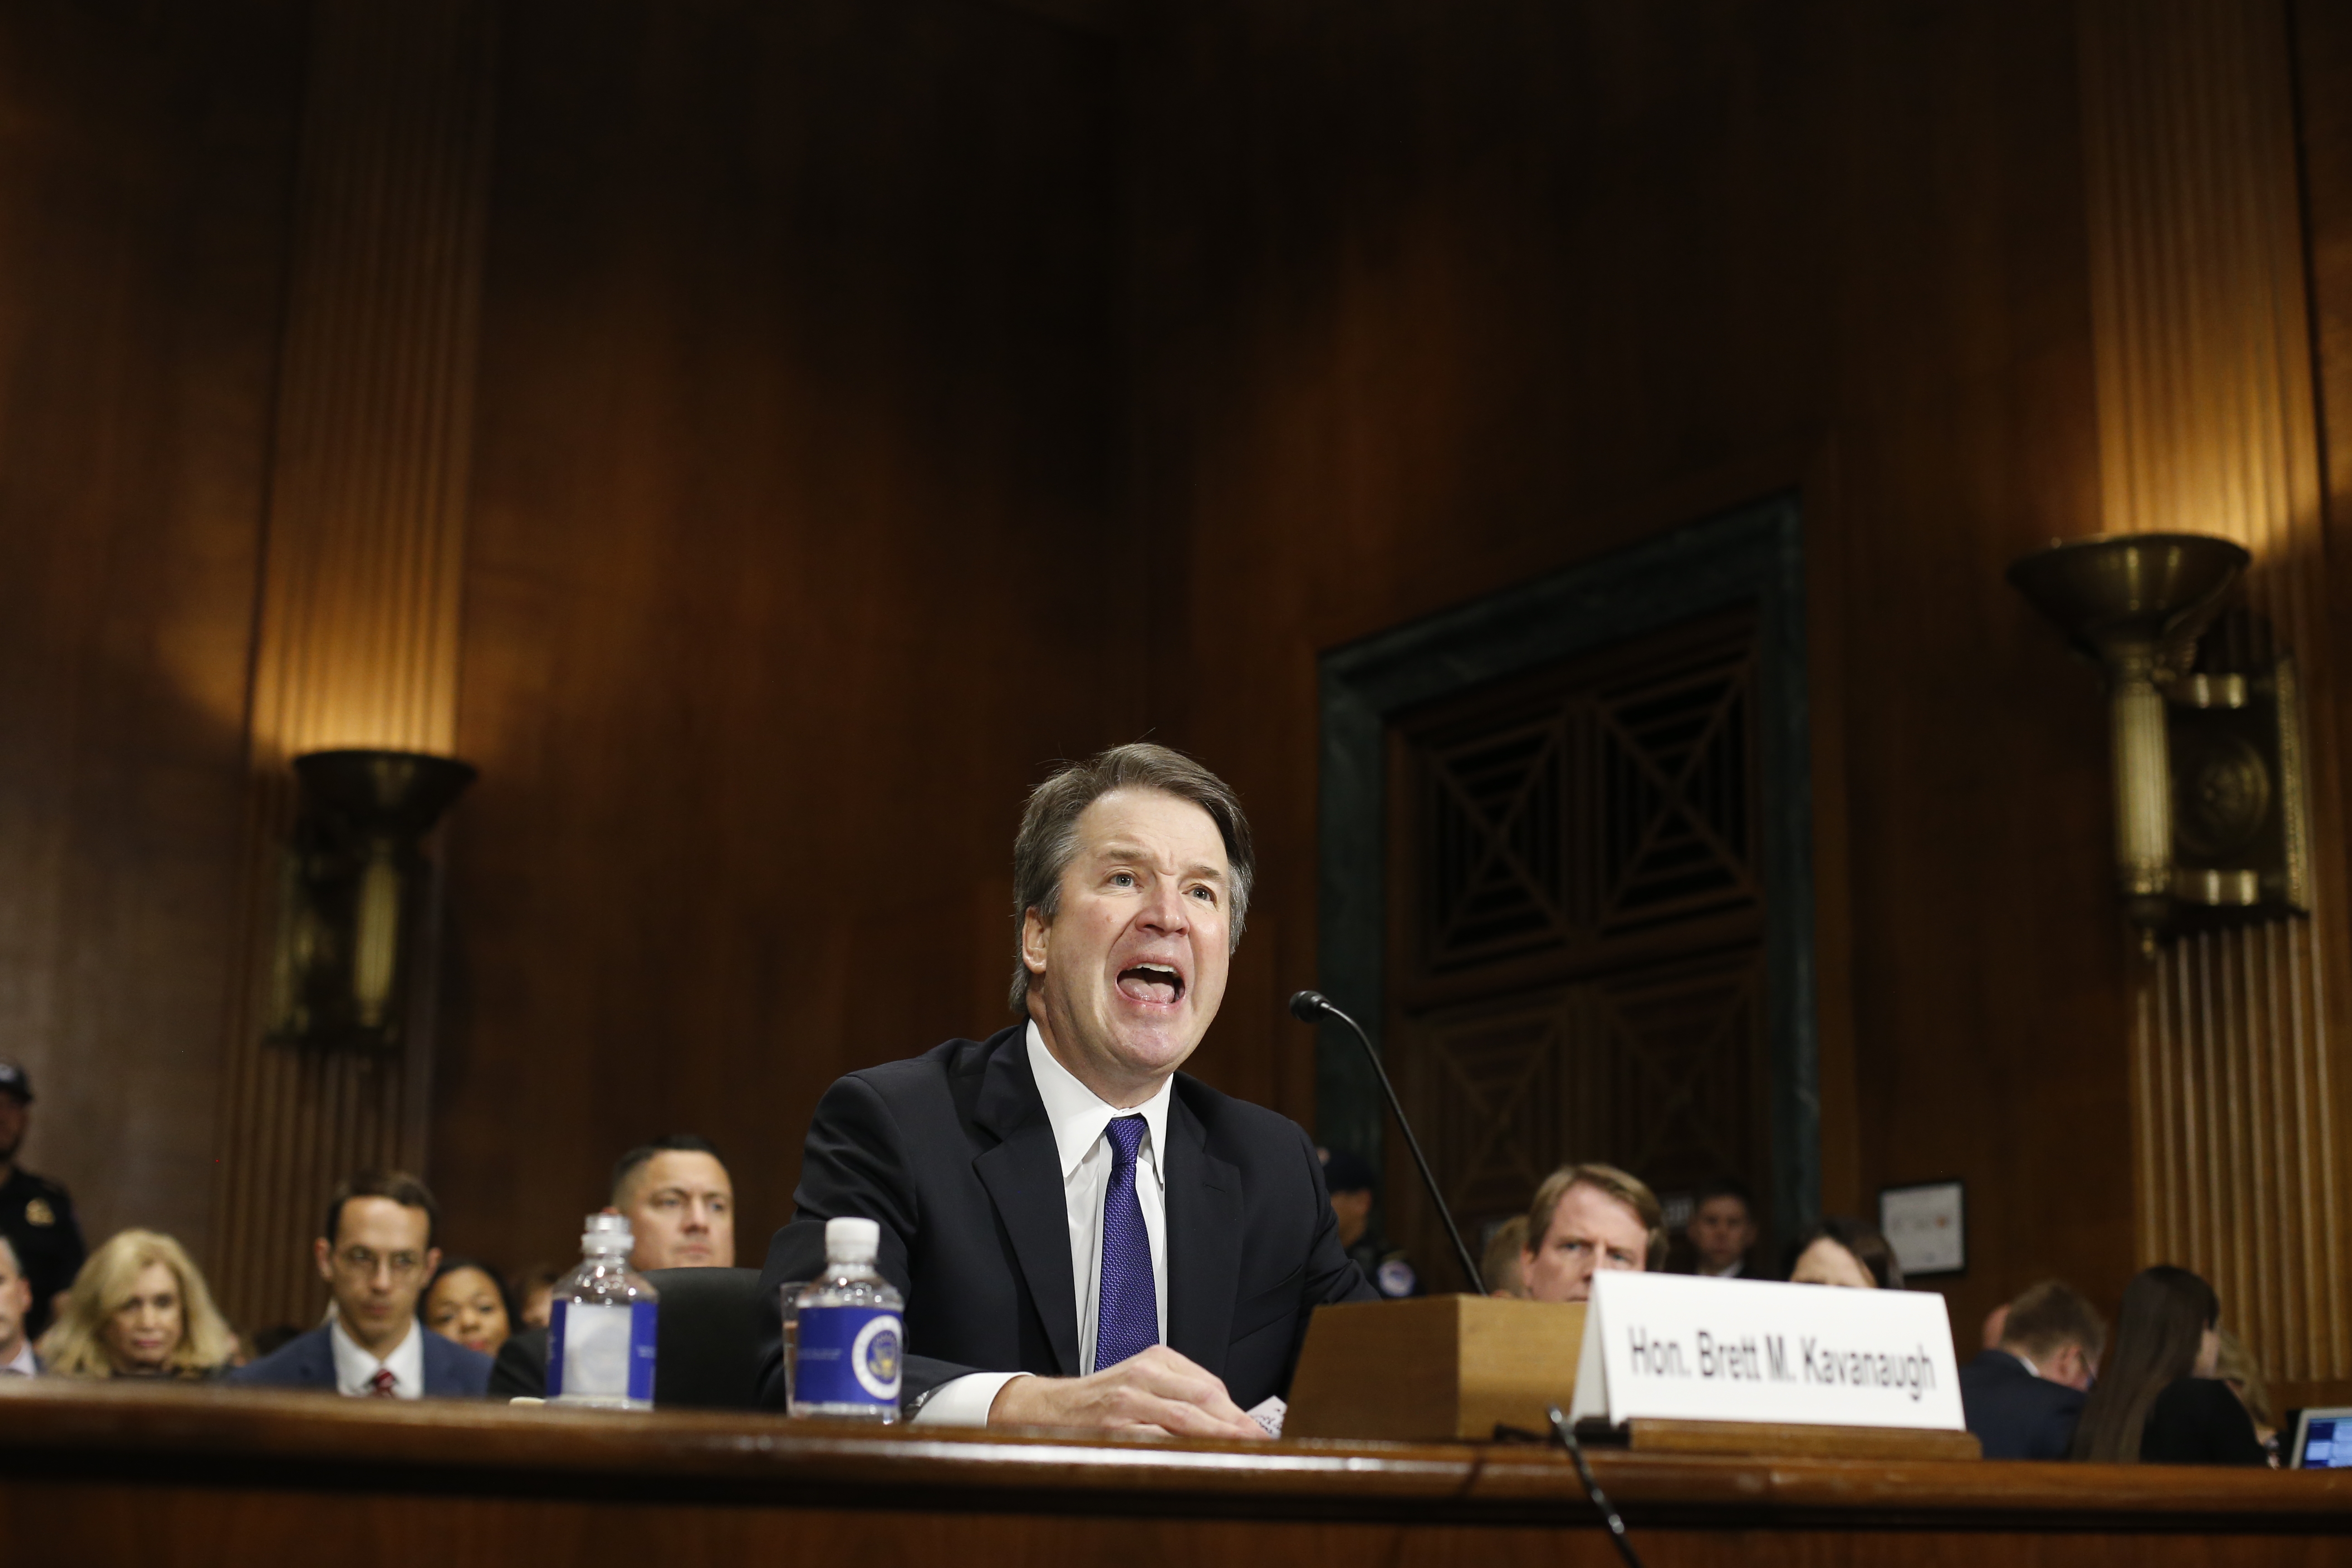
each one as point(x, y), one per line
point(1600, 1503)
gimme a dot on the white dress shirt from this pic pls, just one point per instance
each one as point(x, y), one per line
point(1734, 1270)
point(1079, 1119)
point(22, 1363)
point(355, 1369)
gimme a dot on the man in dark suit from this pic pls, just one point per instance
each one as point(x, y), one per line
point(375, 1256)
point(680, 1204)
point(1084, 1236)
point(2023, 1398)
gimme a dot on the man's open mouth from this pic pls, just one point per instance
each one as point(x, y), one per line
point(1151, 982)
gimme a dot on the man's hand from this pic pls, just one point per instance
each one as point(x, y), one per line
point(1158, 1391)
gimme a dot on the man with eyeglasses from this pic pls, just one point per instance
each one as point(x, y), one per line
point(375, 1257)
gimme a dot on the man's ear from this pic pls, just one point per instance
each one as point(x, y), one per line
point(1034, 931)
point(324, 1251)
point(432, 1261)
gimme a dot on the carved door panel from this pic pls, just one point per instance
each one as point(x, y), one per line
point(1576, 926)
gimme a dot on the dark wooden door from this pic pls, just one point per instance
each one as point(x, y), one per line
point(1576, 956)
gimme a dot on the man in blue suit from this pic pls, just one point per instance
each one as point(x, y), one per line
point(375, 1257)
point(2023, 1398)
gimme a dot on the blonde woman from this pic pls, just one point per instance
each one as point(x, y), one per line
point(138, 1308)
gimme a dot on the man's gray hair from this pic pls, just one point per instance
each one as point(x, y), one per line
point(1048, 839)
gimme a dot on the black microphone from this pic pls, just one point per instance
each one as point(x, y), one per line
point(1313, 1007)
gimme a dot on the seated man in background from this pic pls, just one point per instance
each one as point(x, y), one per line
point(1085, 1237)
point(375, 1256)
point(1722, 1231)
point(2023, 1398)
point(1587, 1218)
point(680, 1203)
point(1501, 1265)
point(17, 1357)
point(1348, 1175)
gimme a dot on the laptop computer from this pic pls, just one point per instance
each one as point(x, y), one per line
point(2323, 1439)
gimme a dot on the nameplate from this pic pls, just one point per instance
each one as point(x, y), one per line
point(1679, 1346)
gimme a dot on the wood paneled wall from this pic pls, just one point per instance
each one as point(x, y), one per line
point(145, 160)
point(793, 560)
point(2207, 423)
point(1436, 298)
point(356, 643)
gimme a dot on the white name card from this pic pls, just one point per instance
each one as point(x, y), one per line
point(1697, 1349)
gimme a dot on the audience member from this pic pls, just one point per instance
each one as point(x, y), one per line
point(1349, 1177)
point(1584, 1219)
point(467, 1302)
point(1722, 1230)
point(1996, 1324)
point(1840, 1251)
point(138, 1308)
point(375, 1253)
point(17, 1355)
point(2158, 1401)
point(37, 1215)
point(533, 1293)
point(2236, 1368)
point(681, 1206)
point(1502, 1264)
point(2024, 1396)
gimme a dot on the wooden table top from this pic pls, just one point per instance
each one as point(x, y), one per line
point(213, 1435)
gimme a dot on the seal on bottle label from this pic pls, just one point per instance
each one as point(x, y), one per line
point(848, 1355)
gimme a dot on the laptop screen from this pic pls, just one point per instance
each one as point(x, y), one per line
point(2324, 1440)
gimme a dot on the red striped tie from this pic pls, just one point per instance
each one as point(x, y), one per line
point(380, 1387)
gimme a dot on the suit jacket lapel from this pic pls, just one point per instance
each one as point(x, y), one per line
point(1024, 1177)
point(1204, 1240)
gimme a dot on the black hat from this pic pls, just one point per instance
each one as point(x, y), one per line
point(14, 1081)
point(1345, 1170)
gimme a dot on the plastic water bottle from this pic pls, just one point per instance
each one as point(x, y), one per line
point(600, 1331)
point(852, 1338)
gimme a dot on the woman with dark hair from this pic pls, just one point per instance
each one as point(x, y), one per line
point(467, 1302)
point(2158, 1401)
point(1840, 1251)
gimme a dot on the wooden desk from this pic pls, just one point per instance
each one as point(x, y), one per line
point(166, 1477)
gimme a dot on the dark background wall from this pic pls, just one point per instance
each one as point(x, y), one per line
point(1435, 300)
point(145, 154)
point(880, 398)
point(792, 552)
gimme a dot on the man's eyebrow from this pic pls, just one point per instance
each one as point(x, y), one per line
point(1138, 852)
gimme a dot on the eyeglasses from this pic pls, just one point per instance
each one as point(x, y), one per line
point(365, 1262)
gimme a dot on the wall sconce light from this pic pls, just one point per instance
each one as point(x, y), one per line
point(347, 921)
point(2210, 805)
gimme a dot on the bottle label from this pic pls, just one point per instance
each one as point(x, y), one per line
point(601, 1351)
point(847, 1355)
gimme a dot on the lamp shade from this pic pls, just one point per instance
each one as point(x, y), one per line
point(2130, 592)
point(398, 793)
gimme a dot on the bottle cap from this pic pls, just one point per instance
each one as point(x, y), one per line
point(852, 1240)
point(606, 1233)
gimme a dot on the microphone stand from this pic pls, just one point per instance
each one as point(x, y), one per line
point(1313, 1006)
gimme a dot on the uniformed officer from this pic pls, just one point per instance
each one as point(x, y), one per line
point(37, 1215)
point(1348, 1175)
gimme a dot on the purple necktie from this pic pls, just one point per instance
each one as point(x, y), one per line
point(1127, 1312)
